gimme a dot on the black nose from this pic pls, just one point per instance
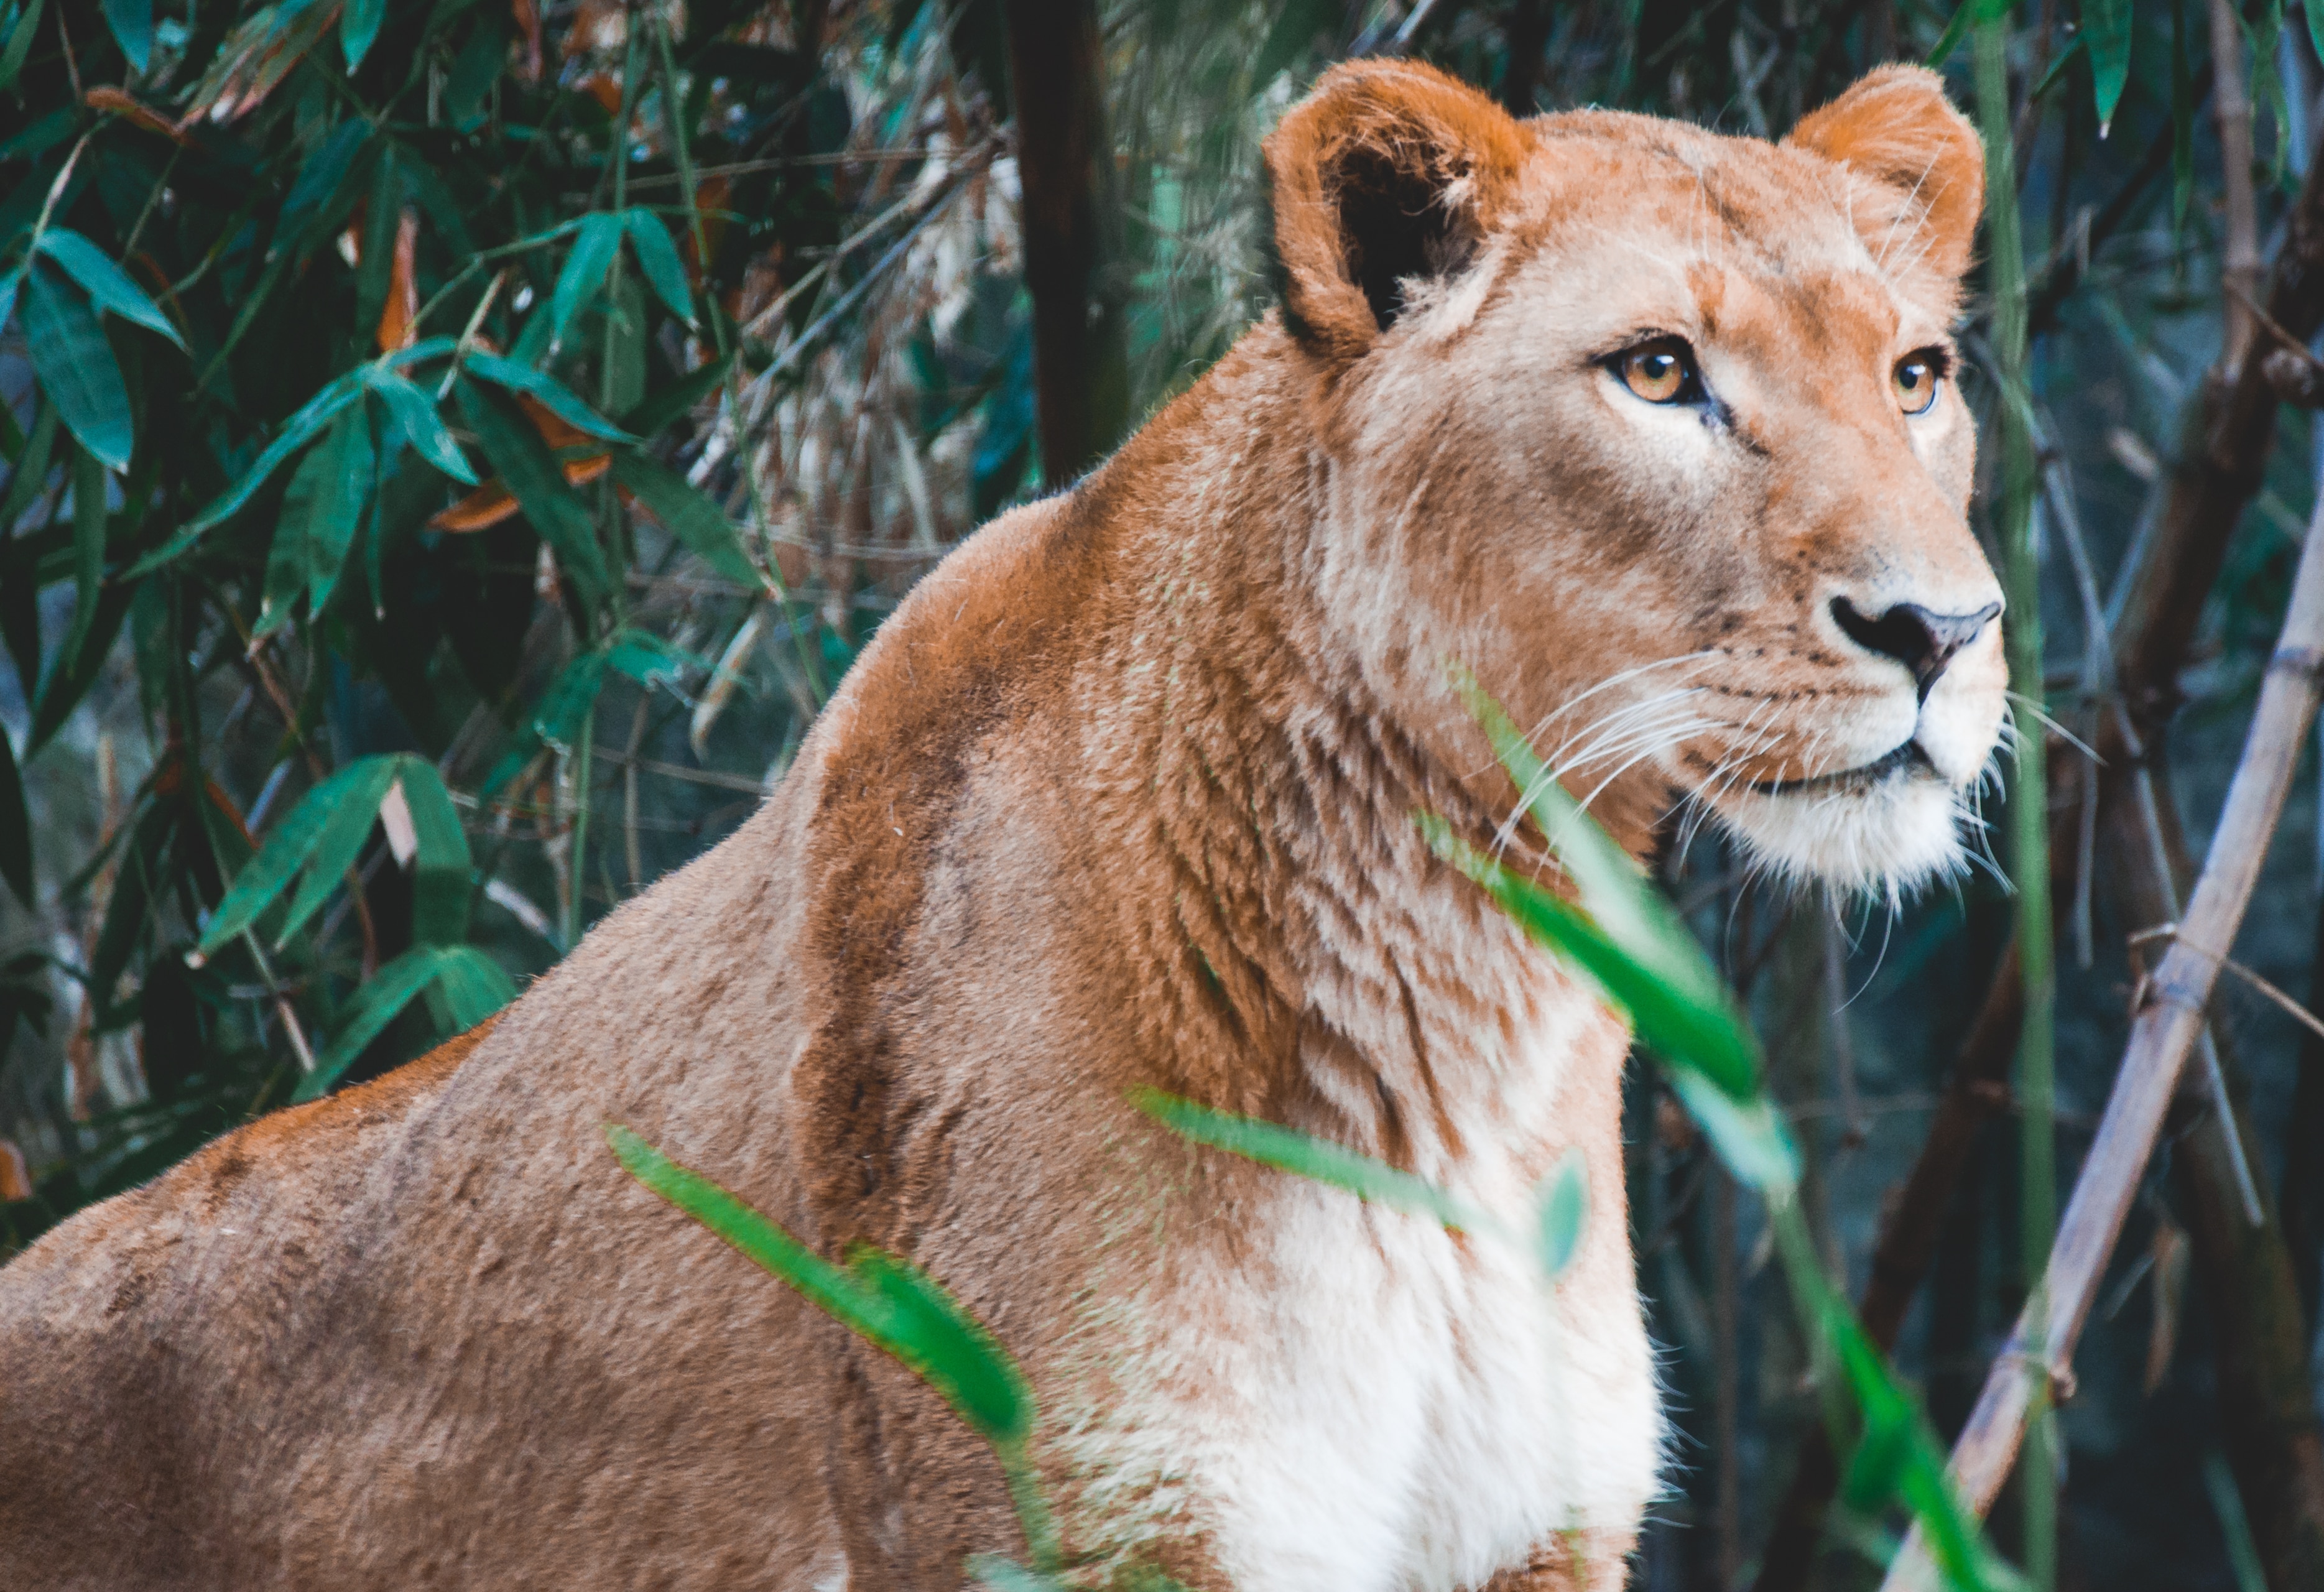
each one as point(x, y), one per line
point(1924, 642)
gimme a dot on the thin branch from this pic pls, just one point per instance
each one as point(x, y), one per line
point(2165, 1034)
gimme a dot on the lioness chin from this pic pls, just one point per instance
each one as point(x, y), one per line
point(1653, 430)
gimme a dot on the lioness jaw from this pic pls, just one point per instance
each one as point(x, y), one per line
point(1650, 429)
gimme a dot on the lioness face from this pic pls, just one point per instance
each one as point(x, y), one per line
point(1659, 432)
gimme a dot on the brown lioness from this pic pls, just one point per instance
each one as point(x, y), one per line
point(1650, 427)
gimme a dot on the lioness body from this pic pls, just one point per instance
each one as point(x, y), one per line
point(1122, 796)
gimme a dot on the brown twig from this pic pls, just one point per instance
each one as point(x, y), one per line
point(2160, 1040)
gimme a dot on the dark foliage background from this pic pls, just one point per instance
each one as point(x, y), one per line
point(787, 299)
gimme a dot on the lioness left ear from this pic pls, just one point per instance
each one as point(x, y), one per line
point(1896, 127)
point(1387, 170)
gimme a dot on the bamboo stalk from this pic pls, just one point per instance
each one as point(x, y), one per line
point(2170, 1017)
point(2240, 267)
point(2021, 575)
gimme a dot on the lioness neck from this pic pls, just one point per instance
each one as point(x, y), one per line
point(1311, 960)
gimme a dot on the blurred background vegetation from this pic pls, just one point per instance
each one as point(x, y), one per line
point(458, 445)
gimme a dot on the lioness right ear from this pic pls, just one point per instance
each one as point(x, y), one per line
point(1387, 170)
point(1896, 127)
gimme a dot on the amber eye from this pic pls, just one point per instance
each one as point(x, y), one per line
point(1915, 378)
point(1660, 373)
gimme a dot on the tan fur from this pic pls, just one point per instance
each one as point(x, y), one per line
point(1122, 796)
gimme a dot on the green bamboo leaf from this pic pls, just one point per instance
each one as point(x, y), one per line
point(1293, 1150)
point(415, 415)
point(71, 677)
point(301, 428)
point(473, 985)
point(1955, 31)
point(20, 43)
point(31, 476)
point(132, 21)
point(2107, 32)
point(376, 1004)
point(569, 701)
point(358, 26)
point(677, 399)
point(570, 698)
point(553, 394)
point(531, 471)
point(2182, 117)
point(109, 287)
point(2315, 15)
point(585, 270)
point(332, 535)
point(322, 195)
point(15, 833)
point(139, 877)
point(341, 842)
point(267, 874)
point(1563, 1214)
point(90, 486)
point(75, 365)
point(882, 1300)
point(2062, 64)
point(321, 508)
point(649, 661)
point(441, 865)
point(657, 257)
point(691, 516)
point(11, 285)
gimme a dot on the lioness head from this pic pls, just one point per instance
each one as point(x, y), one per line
point(1657, 431)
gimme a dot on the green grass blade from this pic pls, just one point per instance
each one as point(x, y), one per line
point(1006, 1575)
point(1290, 1150)
point(1688, 1028)
point(949, 1348)
point(1563, 1214)
point(888, 1303)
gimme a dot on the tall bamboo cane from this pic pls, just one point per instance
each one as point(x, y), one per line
point(2170, 1018)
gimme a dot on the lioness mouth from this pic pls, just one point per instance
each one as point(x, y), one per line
point(1889, 762)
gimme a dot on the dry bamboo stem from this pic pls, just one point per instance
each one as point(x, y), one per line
point(2170, 1018)
point(2241, 266)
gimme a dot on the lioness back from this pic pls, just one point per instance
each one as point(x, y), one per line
point(1648, 427)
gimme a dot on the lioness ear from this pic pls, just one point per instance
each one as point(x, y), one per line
point(1896, 127)
point(1389, 170)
